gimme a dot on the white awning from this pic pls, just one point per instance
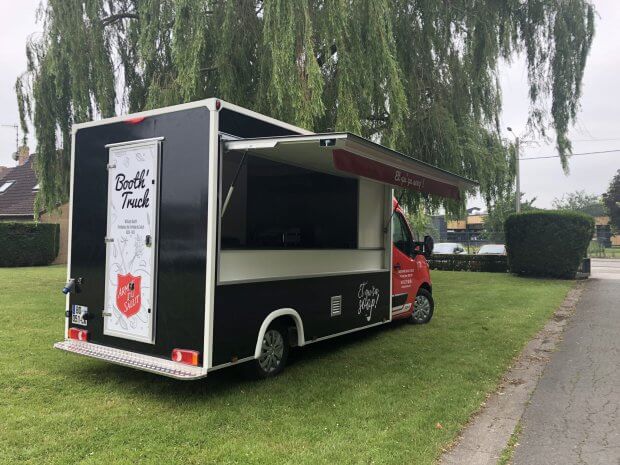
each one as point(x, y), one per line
point(345, 154)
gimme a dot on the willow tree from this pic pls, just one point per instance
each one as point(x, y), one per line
point(418, 75)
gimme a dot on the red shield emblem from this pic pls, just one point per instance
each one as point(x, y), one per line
point(128, 294)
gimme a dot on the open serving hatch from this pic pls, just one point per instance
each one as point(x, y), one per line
point(346, 154)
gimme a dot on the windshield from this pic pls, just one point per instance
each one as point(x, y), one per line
point(492, 248)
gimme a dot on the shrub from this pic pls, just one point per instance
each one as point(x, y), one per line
point(28, 244)
point(547, 243)
point(449, 262)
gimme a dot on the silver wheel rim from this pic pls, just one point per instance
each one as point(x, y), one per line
point(421, 308)
point(272, 351)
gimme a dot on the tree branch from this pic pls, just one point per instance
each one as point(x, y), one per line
point(117, 17)
point(382, 118)
point(113, 18)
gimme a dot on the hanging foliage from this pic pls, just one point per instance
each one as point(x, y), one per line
point(420, 76)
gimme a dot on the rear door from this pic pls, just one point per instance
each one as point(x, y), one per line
point(403, 265)
point(131, 240)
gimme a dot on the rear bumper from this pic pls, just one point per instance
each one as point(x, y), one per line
point(132, 360)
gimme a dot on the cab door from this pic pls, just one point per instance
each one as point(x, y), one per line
point(403, 265)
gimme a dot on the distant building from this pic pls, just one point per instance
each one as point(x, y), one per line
point(602, 232)
point(439, 224)
point(18, 189)
point(475, 211)
point(470, 229)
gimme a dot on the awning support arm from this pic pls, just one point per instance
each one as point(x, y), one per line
point(232, 184)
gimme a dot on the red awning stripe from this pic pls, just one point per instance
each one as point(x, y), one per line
point(372, 169)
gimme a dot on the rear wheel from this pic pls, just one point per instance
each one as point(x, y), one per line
point(423, 307)
point(274, 352)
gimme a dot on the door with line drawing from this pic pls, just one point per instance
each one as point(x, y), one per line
point(131, 240)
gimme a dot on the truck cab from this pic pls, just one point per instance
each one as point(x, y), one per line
point(411, 281)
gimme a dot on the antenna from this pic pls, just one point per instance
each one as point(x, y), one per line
point(16, 127)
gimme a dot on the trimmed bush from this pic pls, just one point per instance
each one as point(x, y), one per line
point(28, 244)
point(450, 262)
point(547, 243)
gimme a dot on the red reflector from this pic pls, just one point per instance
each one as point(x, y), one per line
point(78, 334)
point(218, 104)
point(136, 120)
point(189, 357)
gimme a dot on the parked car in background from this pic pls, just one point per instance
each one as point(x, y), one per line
point(492, 249)
point(449, 248)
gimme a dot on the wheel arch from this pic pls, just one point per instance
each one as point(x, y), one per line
point(426, 286)
point(276, 314)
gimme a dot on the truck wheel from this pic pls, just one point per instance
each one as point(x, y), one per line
point(274, 352)
point(423, 307)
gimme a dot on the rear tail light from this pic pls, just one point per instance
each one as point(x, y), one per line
point(78, 334)
point(189, 357)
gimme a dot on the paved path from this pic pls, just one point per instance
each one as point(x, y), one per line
point(574, 413)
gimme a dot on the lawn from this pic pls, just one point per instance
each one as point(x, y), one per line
point(611, 253)
point(397, 394)
point(595, 250)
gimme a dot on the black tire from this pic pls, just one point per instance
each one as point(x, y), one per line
point(423, 308)
point(274, 353)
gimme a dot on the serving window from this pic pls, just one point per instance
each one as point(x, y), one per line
point(307, 205)
point(283, 220)
point(279, 206)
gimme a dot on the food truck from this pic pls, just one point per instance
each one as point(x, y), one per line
point(206, 235)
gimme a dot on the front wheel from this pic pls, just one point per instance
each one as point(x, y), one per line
point(274, 353)
point(423, 307)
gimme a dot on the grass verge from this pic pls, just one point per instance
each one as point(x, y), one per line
point(509, 450)
point(372, 397)
point(597, 251)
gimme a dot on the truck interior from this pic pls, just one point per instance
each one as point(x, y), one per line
point(313, 204)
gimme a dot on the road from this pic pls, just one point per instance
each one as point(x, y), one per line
point(574, 413)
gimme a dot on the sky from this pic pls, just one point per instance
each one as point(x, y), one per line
point(17, 23)
point(597, 127)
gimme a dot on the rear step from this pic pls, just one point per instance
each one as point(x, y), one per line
point(133, 360)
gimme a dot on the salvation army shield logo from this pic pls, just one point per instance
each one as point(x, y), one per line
point(128, 294)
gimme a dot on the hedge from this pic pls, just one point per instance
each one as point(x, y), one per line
point(450, 262)
point(547, 243)
point(28, 244)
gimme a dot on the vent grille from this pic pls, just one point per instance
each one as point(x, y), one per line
point(336, 305)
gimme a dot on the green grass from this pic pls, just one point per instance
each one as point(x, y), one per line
point(611, 252)
point(509, 450)
point(372, 397)
point(595, 250)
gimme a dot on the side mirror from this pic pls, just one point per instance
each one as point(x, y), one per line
point(424, 247)
point(429, 245)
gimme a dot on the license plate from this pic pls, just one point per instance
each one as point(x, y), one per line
point(77, 315)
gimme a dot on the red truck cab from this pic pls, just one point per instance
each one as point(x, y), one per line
point(412, 296)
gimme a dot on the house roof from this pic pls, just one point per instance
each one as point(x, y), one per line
point(18, 198)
